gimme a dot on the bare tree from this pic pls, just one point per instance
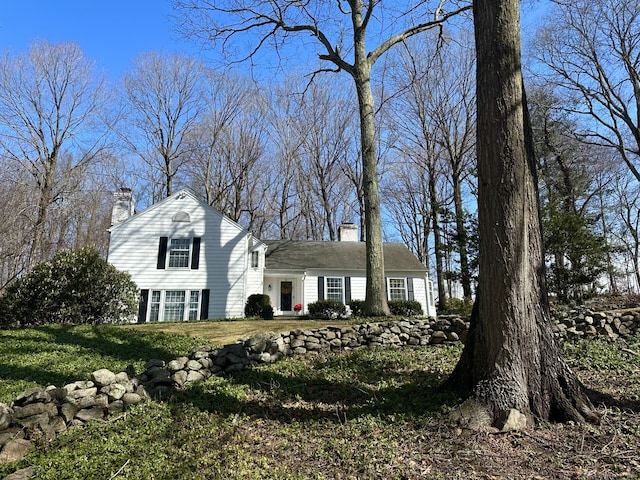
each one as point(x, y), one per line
point(407, 199)
point(51, 103)
point(340, 31)
point(165, 97)
point(224, 98)
point(420, 141)
point(511, 367)
point(325, 122)
point(592, 53)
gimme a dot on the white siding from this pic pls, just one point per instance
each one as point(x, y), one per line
point(223, 252)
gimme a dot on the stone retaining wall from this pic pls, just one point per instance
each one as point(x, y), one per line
point(54, 409)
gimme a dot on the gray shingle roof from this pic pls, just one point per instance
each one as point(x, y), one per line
point(305, 255)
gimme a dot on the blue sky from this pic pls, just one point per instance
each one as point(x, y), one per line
point(111, 32)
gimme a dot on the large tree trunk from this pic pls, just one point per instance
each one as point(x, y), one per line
point(375, 298)
point(511, 360)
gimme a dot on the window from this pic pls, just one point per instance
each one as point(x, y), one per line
point(174, 305)
point(154, 308)
point(179, 250)
point(335, 289)
point(194, 304)
point(397, 289)
point(255, 259)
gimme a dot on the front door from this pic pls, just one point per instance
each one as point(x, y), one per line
point(285, 296)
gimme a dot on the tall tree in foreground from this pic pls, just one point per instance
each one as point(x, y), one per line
point(340, 31)
point(511, 367)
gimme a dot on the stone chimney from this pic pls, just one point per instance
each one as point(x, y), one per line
point(123, 206)
point(348, 232)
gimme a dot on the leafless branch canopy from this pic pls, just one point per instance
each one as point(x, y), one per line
point(241, 28)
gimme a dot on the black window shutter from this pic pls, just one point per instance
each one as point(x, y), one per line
point(320, 288)
point(204, 304)
point(347, 290)
point(162, 253)
point(386, 288)
point(142, 308)
point(195, 254)
point(410, 288)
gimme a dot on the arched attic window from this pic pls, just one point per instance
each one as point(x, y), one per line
point(181, 217)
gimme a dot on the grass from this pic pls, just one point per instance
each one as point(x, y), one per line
point(369, 414)
point(222, 333)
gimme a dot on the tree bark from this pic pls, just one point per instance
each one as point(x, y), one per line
point(462, 237)
point(511, 360)
point(375, 297)
point(437, 236)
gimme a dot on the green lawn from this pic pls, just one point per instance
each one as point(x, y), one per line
point(365, 415)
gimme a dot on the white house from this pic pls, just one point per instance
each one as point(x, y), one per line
point(192, 262)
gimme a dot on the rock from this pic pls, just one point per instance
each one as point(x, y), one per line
point(180, 377)
point(103, 377)
point(56, 394)
point(12, 433)
point(83, 392)
point(68, 411)
point(58, 424)
point(114, 391)
point(93, 413)
point(102, 400)
point(34, 395)
point(86, 402)
point(438, 337)
point(511, 421)
point(131, 399)
point(22, 474)
point(33, 409)
point(193, 365)
point(194, 376)
point(14, 450)
point(116, 407)
point(177, 364)
point(6, 413)
point(154, 363)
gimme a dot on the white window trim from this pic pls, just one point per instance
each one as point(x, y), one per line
point(404, 281)
point(185, 311)
point(168, 263)
point(326, 287)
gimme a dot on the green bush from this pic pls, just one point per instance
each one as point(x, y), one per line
point(327, 309)
point(405, 308)
point(75, 286)
point(458, 306)
point(255, 305)
point(357, 308)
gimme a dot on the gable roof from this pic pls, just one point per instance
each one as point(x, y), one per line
point(186, 192)
point(305, 255)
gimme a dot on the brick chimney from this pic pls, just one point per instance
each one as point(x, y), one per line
point(123, 206)
point(348, 232)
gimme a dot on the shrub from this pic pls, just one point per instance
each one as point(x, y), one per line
point(357, 307)
point(267, 312)
point(75, 286)
point(327, 309)
point(255, 304)
point(458, 306)
point(405, 308)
